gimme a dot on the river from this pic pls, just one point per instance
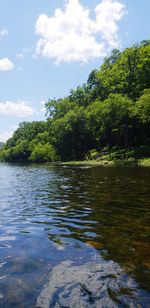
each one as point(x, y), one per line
point(74, 237)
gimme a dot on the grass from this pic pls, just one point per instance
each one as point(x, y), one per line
point(135, 157)
point(144, 162)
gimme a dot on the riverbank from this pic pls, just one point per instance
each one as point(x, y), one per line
point(143, 162)
point(138, 156)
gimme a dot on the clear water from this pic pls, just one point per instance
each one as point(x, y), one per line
point(74, 237)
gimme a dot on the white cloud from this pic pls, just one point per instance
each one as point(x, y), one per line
point(3, 32)
point(18, 109)
point(4, 136)
point(108, 12)
point(72, 35)
point(6, 64)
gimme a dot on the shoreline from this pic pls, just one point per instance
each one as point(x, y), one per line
point(143, 162)
point(131, 162)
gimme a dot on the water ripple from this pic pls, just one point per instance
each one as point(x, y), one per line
point(74, 237)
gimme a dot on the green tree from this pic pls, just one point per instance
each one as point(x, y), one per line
point(109, 120)
point(141, 117)
point(112, 109)
point(43, 153)
point(68, 134)
point(129, 74)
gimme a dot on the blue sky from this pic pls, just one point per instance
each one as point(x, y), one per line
point(48, 47)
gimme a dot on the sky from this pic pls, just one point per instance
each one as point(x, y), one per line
point(48, 47)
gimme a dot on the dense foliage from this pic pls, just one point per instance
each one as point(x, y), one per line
point(111, 110)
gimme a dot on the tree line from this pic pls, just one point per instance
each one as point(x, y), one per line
point(112, 110)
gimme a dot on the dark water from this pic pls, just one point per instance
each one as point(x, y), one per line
point(74, 237)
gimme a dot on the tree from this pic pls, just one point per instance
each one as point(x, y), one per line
point(108, 120)
point(129, 74)
point(112, 109)
point(43, 153)
point(68, 134)
point(141, 116)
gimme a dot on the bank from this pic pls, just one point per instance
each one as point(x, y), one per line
point(143, 162)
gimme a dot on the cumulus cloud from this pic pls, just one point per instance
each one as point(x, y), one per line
point(18, 109)
point(3, 32)
point(72, 35)
point(6, 65)
point(108, 12)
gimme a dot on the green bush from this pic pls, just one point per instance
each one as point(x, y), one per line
point(43, 153)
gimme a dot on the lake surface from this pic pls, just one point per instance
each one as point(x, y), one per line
point(74, 236)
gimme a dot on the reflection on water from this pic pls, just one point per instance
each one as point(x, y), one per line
point(95, 284)
point(74, 237)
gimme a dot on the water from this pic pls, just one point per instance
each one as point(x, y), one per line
point(74, 237)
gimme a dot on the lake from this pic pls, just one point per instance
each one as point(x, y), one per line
point(74, 236)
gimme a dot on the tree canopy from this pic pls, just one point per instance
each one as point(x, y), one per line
point(111, 109)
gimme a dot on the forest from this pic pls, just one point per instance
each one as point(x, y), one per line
point(109, 114)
